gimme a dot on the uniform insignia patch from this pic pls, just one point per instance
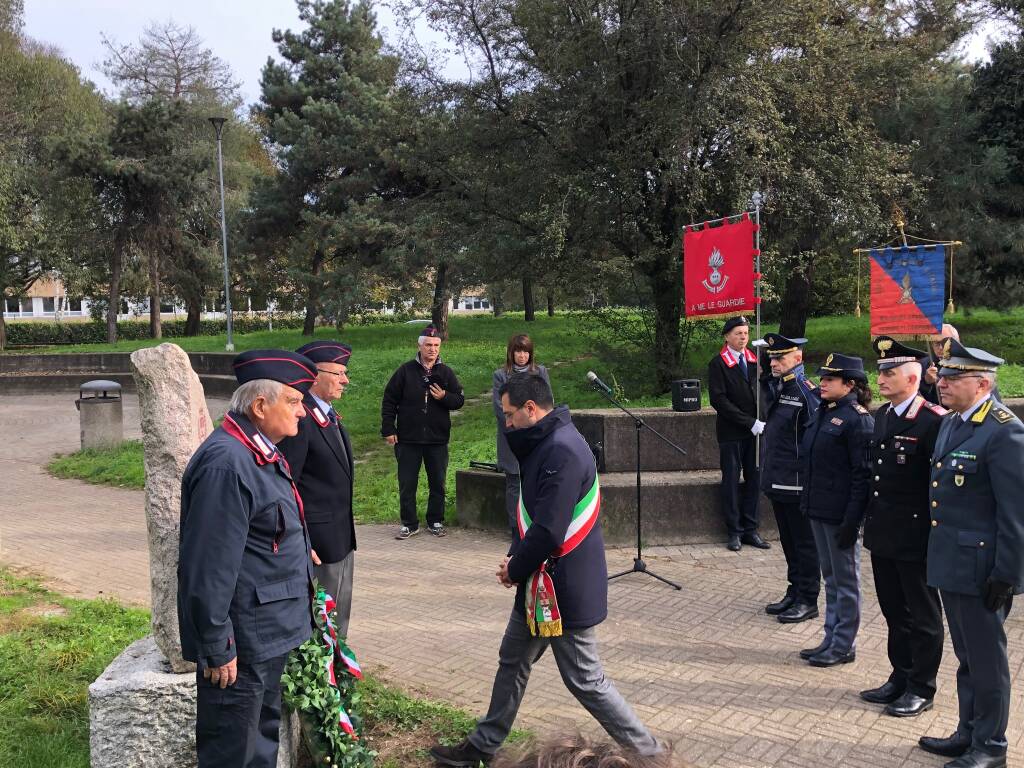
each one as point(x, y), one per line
point(901, 458)
point(859, 408)
point(959, 480)
point(837, 421)
point(1002, 415)
point(829, 360)
point(789, 377)
point(981, 413)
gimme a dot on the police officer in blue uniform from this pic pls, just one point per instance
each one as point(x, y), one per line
point(244, 568)
point(790, 399)
point(320, 457)
point(896, 530)
point(976, 548)
point(835, 495)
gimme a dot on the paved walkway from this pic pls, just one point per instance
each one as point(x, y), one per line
point(704, 666)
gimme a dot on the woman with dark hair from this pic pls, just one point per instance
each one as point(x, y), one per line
point(518, 359)
point(834, 497)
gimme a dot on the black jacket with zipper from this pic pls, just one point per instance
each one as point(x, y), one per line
point(407, 399)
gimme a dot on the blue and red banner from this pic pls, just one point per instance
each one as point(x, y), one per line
point(718, 269)
point(908, 291)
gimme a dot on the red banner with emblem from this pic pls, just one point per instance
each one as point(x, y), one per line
point(718, 268)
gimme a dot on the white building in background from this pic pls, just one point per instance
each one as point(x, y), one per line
point(471, 301)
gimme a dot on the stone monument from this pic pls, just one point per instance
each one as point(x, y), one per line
point(142, 709)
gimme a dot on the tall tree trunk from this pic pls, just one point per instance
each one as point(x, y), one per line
point(3, 323)
point(666, 288)
point(796, 298)
point(155, 330)
point(313, 295)
point(440, 306)
point(494, 293)
point(193, 315)
point(551, 302)
point(114, 294)
point(528, 306)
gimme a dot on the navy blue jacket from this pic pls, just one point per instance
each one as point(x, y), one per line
point(244, 571)
point(557, 470)
point(977, 518)
point(789, 406)
point(320, 459)
point(835, 458)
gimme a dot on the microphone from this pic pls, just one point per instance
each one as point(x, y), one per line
point(598, 384)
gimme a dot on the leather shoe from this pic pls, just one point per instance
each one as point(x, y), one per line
point(806, 653)
point(884, 694)
point(975, 758)
point(734, 544)
point(774, 609)
point(950, 746)
point(831, 658)
point(798, 612)
point(754, 539)
point(908, 705)
point(463, 755)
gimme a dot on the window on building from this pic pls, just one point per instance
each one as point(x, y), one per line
point(476, 303)
point(166, 307)
point(73, 305)
point(485, 304)
point(26, 306)
point(49, 304)
point(10, 304)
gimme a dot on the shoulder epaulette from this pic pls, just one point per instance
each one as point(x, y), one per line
point(809, 384)
point(936, 409)
point(860, 408)
point(789, 377)
point(1002, 414)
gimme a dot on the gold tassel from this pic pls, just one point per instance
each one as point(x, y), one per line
point(550, 628)
point(856, 311)
point(950, 309)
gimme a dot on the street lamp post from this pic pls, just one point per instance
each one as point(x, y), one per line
point(218, 126)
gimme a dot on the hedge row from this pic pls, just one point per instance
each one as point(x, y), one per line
point(37, 334)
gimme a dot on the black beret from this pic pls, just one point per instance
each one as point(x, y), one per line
point(280, 365)
point(734, 322)
point(326, 352)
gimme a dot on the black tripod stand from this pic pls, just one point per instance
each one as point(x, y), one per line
point(639, 566)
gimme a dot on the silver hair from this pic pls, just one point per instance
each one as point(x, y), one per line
point(246, 395)
point(421, 339)
point(990, 377)
point(915, 368)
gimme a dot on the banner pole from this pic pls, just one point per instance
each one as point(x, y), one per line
point(757, 199)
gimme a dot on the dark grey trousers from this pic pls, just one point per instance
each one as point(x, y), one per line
point(983, 677)
point(512, 505)
point(840, 569)
point(336, 578)
point(576, 656)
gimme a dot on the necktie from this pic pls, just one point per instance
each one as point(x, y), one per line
point(332, 415)
point(743, 363)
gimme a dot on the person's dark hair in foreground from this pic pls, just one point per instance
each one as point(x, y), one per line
point(579, 752)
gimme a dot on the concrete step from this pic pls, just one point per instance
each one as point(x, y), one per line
point(677, 507)
point(35, 383)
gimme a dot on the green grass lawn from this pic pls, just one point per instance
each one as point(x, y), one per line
point(53, 647)
point(475, 348)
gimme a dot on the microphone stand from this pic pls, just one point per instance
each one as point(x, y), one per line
point(639, 566)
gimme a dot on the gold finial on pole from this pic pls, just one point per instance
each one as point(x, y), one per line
point(950, 309)
point(900, 220)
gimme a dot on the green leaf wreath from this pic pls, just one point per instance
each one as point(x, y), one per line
point(328, 710)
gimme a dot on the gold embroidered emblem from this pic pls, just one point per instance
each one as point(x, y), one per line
point(829, 360)
point(959, 480)
point(884, 346)
point(947, 349)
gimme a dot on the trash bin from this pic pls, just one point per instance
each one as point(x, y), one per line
point(101, 417)
point(686, 395)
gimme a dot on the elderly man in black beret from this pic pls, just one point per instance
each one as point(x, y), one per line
point(732, 376)
point(244, 568)
point(320, 457)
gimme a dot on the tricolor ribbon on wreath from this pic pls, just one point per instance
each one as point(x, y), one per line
point(325, 605)
point(542, 613)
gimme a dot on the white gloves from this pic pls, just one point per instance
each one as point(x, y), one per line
point(757, 428)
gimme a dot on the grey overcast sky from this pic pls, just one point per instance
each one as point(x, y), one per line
point(238, 31)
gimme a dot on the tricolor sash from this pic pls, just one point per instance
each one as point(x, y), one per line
point(542, 614)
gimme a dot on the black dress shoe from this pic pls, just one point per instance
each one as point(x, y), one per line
point(806, 653)
point(884, 694)
point(831, 658)
point(908, 705)
point(734, 544)
point(754, 539)
point(975, 758)
point(463, 755)
point(774, 609)
point(798, 612)
point(951, 746)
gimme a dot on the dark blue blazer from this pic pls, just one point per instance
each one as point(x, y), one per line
point(320, 458)
point(244, 571)
point(977, 518)
point(557, 470)
point(789, 405)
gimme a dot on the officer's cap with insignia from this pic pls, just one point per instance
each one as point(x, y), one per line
point(958, 359)
point(734, 322)
point(326, 352)
point(290, 368)
point(844, 367)
point(777, 345)
point(892, 353)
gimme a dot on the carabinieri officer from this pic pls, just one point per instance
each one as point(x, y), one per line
point(896, 530)
point(976, 548)
point(790, 399)
point(320, 457)
point(244, 569)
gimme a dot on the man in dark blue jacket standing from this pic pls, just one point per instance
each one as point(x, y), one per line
point(561, 578)
point(244, 569)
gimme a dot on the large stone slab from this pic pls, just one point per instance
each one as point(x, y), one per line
point(677, 507)
point(175, 420)
point(143, 715)
point(614, 435)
